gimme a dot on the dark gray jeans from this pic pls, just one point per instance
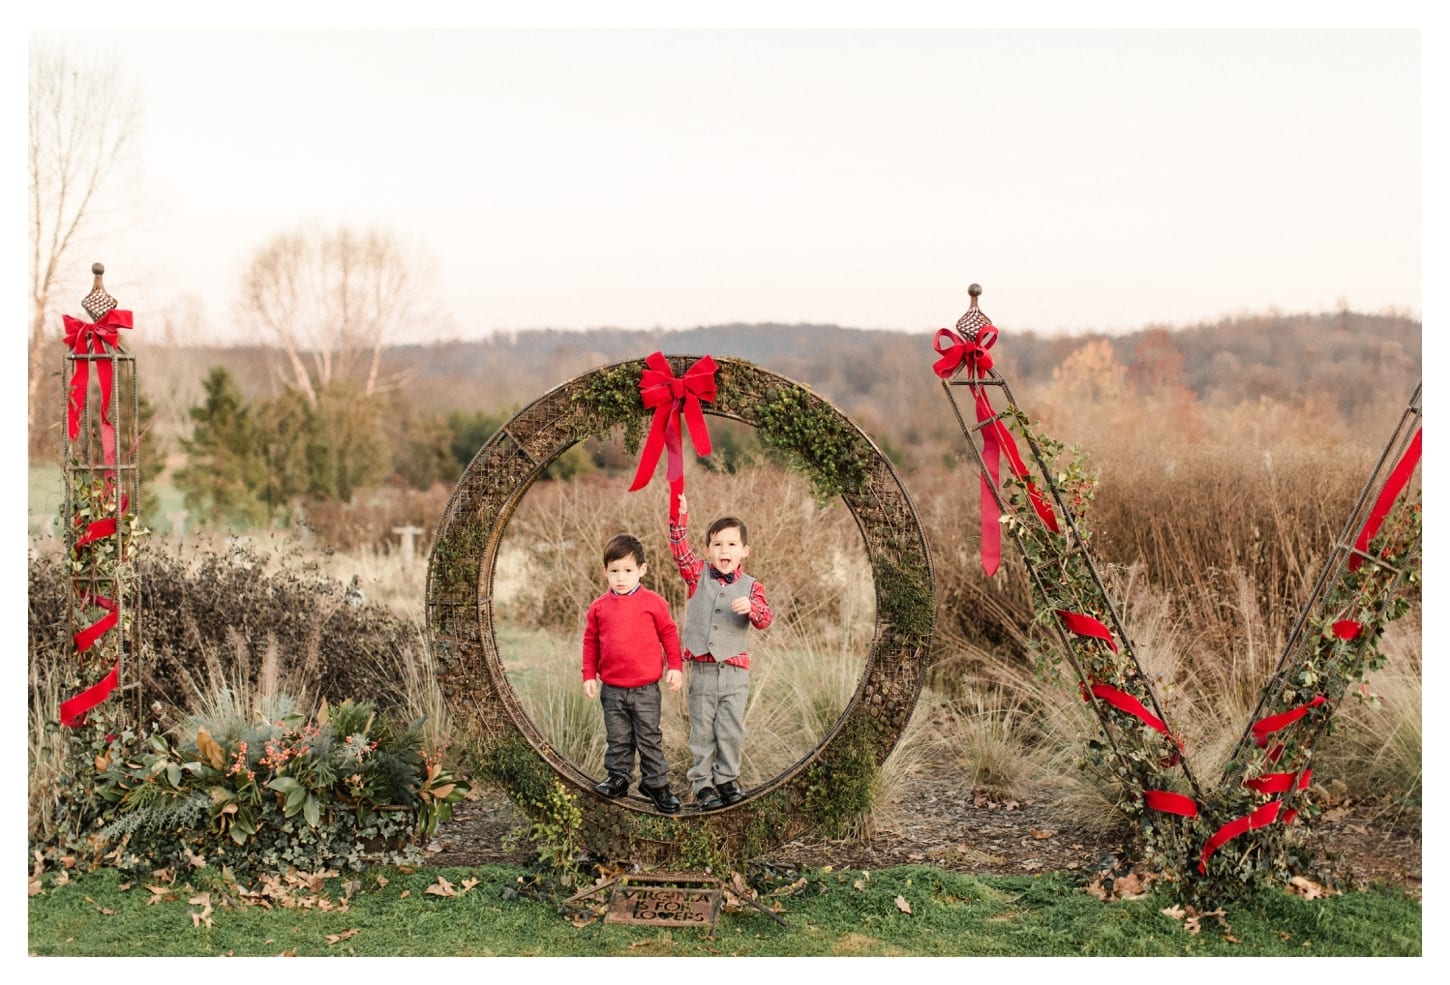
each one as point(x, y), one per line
point(632, 723)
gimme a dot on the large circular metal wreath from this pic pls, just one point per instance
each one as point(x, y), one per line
point(830, 782)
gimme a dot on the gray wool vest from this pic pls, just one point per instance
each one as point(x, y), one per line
point(710, 627)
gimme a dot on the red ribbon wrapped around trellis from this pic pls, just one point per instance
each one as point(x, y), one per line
point(73, 710)
point(94, 339)
point(969, 350)
point(1266, 727)
point(86, 338)
point(672, 397)
point(1083, 625)
point(1404, 468)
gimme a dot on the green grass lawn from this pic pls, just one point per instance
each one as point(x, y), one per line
point(906, 911)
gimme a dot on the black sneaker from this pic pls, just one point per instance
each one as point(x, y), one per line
point(665, 801)
point(730, 792)
point(707, 799)
point(614, 786)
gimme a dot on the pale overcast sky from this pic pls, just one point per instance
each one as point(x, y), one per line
point(1089, 179)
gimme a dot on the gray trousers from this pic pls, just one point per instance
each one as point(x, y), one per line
point(632, 723)
point(717, 693)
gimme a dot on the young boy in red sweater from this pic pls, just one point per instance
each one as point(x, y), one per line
point(628, 636)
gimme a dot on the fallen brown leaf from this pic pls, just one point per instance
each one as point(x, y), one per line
point(1307, 888)
point(204, 916)
point(334, 938)
point(1043, 833)
point(1129, 886)
point(902, 905)
point(441, 888)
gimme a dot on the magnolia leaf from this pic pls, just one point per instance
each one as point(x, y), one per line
point(35, 889)
point(902, 905)
point(441, 888)
point(350, 932)
point(210, 751)
point(323, 713)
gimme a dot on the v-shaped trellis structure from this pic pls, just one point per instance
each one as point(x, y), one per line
point(1041, 502)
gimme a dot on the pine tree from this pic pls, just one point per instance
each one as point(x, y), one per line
point(225, 467)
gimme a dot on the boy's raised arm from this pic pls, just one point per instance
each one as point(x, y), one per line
point(685, 560)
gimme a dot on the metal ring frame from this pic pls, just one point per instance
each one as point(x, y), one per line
point(461, 636)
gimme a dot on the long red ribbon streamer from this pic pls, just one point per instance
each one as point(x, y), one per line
point(672, 397)
point(1396, 484)
point(86, 338)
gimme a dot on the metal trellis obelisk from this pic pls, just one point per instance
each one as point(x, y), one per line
point(99, 512)
point(1058, 561)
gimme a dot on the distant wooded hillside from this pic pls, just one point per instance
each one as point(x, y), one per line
point(1362, 366)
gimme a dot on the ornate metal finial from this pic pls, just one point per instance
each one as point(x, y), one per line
point(98, 302)
point(971, 323)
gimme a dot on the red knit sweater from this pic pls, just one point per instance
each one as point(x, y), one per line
point(624, 636)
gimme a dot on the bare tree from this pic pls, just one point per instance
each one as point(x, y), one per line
point(83, 119)
point(330, 300)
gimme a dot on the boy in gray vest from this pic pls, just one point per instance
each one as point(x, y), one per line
point(724, 603)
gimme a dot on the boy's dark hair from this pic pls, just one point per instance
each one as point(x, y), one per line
point(724, 523)
point(622, 546)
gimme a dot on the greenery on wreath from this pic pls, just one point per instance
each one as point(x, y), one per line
point(255, 793)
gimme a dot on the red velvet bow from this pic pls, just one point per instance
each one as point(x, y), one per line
point(959, 352)
point(671, 397)
point(85, 338)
